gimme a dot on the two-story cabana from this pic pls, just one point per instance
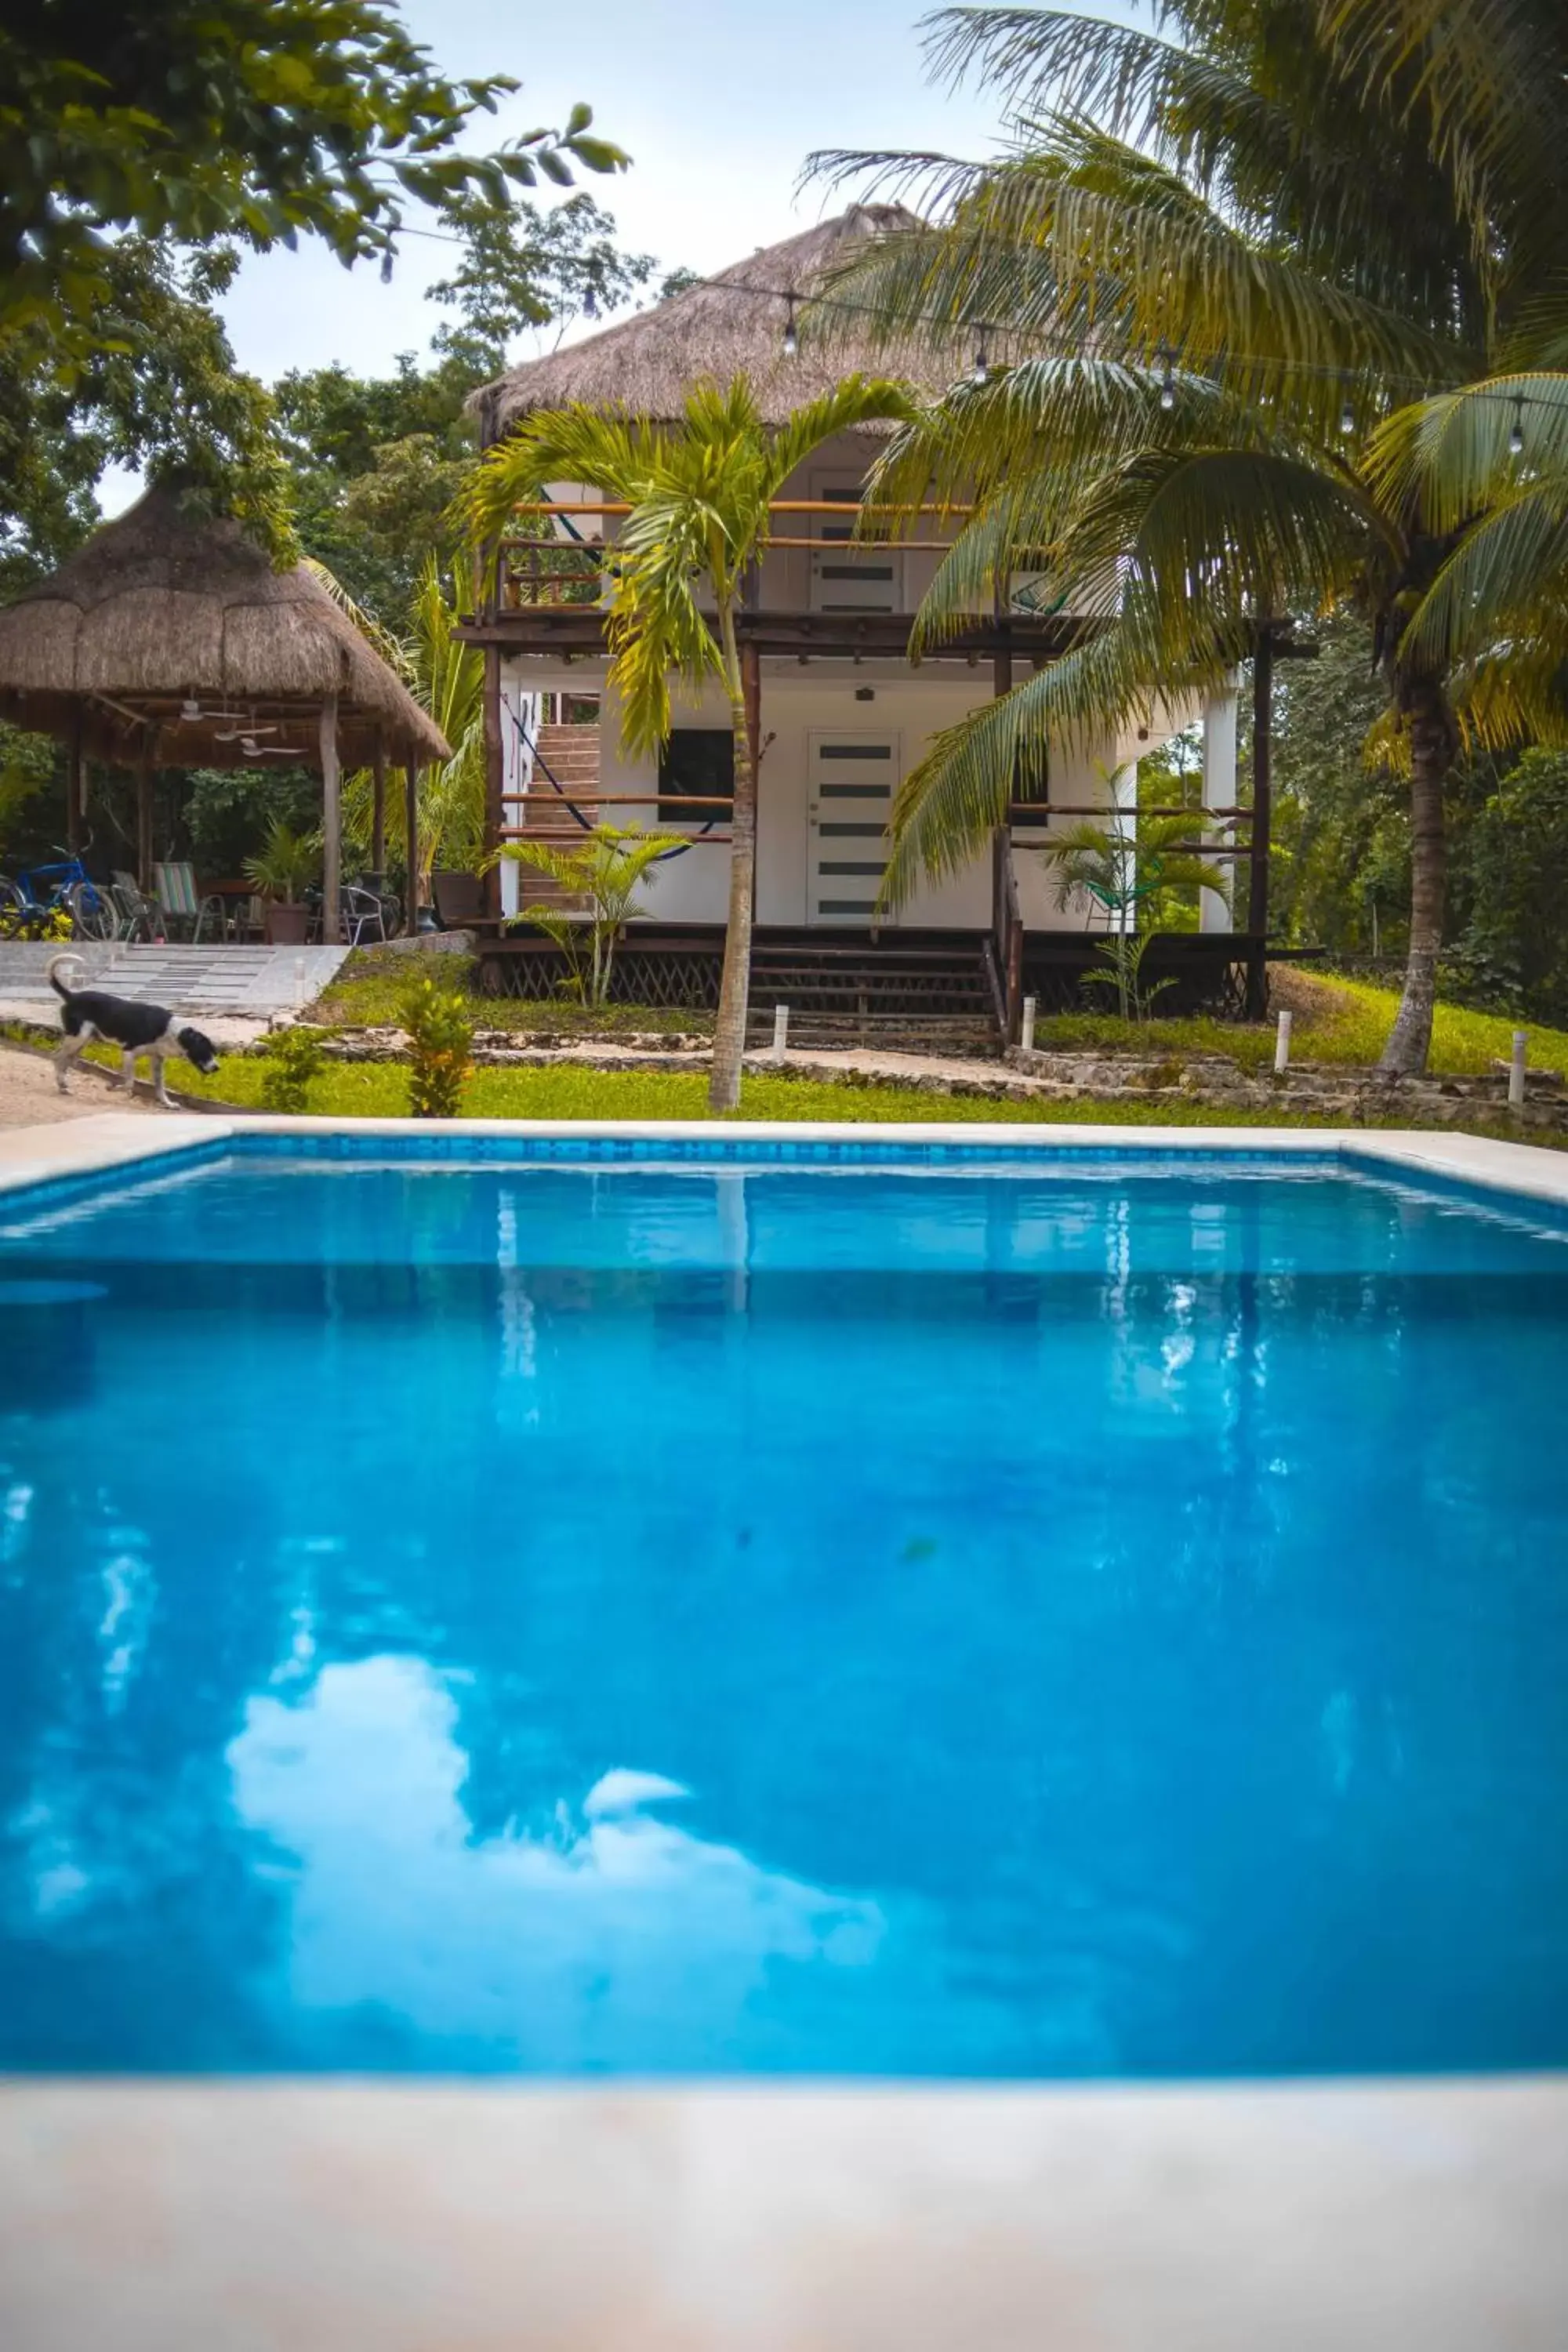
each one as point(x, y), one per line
point(839, 714)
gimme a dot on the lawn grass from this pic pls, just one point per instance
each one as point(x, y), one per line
point(1336, 1020)
point(368, 991)
point(380, 1090)
point(1340, 1021)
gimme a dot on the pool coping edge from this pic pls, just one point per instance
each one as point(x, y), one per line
point(36, 1156)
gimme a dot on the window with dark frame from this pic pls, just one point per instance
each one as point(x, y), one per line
point(697, 765)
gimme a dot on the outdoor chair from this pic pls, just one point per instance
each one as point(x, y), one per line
point(136, 917)
point(175, 888)
point(361, 915)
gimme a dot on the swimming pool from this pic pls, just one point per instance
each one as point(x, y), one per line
point(567, 1611)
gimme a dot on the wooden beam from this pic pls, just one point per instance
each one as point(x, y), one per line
point(378, 805)
point(495, 779)
point(75, 785)
point(331, 825)
point(145, 823)
point(751, 684)
point(1262, 821)
point(411, 836)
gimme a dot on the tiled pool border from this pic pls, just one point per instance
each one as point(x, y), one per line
point(48, 1164)
point(1372, 2216)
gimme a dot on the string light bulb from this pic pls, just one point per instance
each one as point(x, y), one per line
point(1516, 431)
point(1168, 378)
point(1347, 420)
point(791, 337)
point(387, 267)
point(590, 303)
point(982, 357)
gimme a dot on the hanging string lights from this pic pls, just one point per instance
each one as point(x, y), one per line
point(791, 335)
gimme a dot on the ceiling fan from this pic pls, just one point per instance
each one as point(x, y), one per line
point(193, 715)
point(238, 734)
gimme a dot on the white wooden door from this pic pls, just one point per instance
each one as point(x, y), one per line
point(842, 580)
point(852, 778)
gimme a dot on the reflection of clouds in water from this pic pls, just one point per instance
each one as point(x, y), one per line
point(598, 1938)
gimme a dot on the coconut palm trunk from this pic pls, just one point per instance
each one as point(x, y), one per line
point(1433, 742)
point(735, 988)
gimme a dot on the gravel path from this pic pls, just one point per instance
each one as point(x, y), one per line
point(29, 1097)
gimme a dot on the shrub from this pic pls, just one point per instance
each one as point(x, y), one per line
point(294, 1058)
point(441, 1038)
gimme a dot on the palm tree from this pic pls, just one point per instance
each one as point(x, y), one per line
point(1137, 876)
point(1239, 251)
point(700, 491)
point(606, 867)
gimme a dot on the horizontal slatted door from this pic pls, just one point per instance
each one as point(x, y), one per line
point(853, 777)
point(842, 579)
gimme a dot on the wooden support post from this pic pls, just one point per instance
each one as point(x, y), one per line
point(76, 788)
point(1262, 816)
point(411, 835)
point(378, 808)
point(331, 825)
point(751, 686)
point(145, 823)
point(495, 779)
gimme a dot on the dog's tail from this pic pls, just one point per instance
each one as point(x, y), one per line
point(52, 968)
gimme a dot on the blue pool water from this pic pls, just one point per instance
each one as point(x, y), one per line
point(940, 1620)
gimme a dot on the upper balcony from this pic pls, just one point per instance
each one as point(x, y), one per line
point(818, 586)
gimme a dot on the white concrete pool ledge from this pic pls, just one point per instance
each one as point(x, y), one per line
point(113, 1140)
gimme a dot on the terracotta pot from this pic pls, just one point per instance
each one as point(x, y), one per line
point(288, 927)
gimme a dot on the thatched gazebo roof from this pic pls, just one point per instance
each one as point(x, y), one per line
point(170, 630)
point(731, 324)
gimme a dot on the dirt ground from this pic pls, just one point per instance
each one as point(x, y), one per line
point(29, 1098)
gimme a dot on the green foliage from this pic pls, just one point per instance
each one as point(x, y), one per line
point(1137, 871)
point(440, 1041)
point(286, 865)
point(294, 1057)
point(377, 462)
point(606, 869)
point(1272, 236)
point(157, 389)
point(527, 267)
point(230, 812)
point(1511, 862)
point(26, 766)
point(445, 677)
point(200, 120)
point(1123, 972)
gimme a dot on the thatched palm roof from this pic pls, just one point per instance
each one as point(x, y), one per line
point(167, 606)
point(732, 324)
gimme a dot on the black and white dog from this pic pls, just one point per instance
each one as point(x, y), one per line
point(135, 1028)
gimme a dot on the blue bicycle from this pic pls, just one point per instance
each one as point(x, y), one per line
point(33, 905)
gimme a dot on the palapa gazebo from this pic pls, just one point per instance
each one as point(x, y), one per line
point(170, 641)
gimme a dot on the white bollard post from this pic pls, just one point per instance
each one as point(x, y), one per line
point(1516, 1070)
point(1027, 1033)
point(781, 1030)
point(1282, 1047)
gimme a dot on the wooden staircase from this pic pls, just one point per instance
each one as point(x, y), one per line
point(568, 756)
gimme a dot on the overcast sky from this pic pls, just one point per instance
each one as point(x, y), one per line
point(718, 101)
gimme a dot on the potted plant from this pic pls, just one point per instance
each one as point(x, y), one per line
point(282, 872)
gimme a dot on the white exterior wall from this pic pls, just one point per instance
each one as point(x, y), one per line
point(797, 701)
